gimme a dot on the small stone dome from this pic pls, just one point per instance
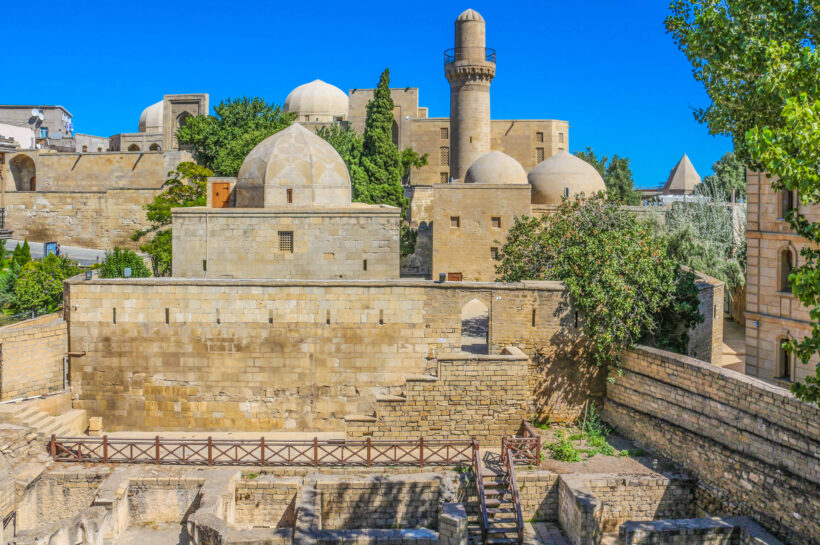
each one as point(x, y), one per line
point(495, 168)
point(563, 175)
point(296, 159)
point(317, 99)
point(470, 15)
point(151, 118)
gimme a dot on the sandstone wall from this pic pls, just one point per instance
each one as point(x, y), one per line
point(358, 242)
point(32, 353)
point(266, 501)
point(96, 219)
point(470, 396)
point(100, 171)
point(262, 355)
point(706, 338)
point(752, 446)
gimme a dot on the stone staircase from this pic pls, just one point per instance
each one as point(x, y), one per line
point(72, 422)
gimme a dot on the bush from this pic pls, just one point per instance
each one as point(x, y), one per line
point(564, 451)
point(118, 259)
point(39, 287)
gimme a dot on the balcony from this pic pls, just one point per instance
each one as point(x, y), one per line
point(455, 54)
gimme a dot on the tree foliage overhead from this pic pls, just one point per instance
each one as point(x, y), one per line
point(221, 142)
point(729, 175)
point(186, 186)
point(760, 65)
point(620, 186)
point(616, 270)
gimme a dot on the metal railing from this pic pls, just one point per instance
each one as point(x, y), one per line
point(465, 53)
point(262, 452)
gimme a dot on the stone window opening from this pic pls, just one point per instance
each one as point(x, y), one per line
point(114, 315)
point(539, 137)
point(786, 265)
point(154, 147)
point(85, 149)
point(788, 202)
point(204, 265)
point(784, 362)
point(133, 147)
point(286, 241)
point(167, 315)
point(327, 317)
point(443, 178)
point(364, 264)
point(566, 193)
point(455, 222)
point(270, 316)
point(445, 133)
point(444, 155)
point(539, 154)
point(495, 221)
point(99, 150)
point(381, 316)
point(532, 323)
point(561, 137)
point(289, 195)
point(494, 252)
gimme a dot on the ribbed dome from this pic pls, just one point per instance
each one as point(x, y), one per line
point(296, 159)
point(562, 175)
point(317, 99)
point(470, 15)
point(495, 168)
point(151, 118)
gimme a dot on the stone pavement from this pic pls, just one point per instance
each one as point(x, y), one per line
point(160, 534)
point(543, 533)
point(734, 346)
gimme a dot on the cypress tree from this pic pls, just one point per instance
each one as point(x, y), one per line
point(381, 160)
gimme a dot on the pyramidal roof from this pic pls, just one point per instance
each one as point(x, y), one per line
point(683, 177)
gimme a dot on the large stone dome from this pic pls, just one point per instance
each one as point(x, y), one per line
point(563, 175)
point(151, 118)
point(317, 101)
point(495, 168)
point(296, 159)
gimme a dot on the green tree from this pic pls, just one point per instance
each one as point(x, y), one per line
point(617, 175)
point(620, 187)
point(21, 254)
point(381, 159)
point(616, 270)
point(39, 287)
point(760, 65)
point(348, 143)
point(118, 259)
point(186, 186)
point(729, 175)
point(589, 156)
point(221, 142)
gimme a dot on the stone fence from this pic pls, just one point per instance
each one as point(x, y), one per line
point(753, 447)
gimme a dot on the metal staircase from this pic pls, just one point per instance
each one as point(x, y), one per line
point(500, 509)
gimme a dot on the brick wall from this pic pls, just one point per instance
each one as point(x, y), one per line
point(58, 495)
point(751, 445)
point(473, 396)
point(32, 357)
point(162, 499)
point(253, 355)
point(706, 338)
point(266, 501)
point(409, 501)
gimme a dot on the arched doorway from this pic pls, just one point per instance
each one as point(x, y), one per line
point(24, 172)
point(154, 147)
point(182, 119)
point(475, 327)
point(133, 147)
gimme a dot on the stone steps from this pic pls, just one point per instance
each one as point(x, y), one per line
point(72, 422)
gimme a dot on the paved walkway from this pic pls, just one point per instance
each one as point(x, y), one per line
point(734, 346)
point(543, 533)
point(85, 256)
point(161, 534)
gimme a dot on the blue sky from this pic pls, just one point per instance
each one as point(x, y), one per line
point(607, 67)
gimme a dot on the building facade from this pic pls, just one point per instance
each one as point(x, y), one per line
point(773, 313)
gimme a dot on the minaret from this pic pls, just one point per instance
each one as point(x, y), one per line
point(469, 67)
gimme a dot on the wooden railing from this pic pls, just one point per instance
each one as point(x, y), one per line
point(479, 485)
point(261, 452)
point(507, 456)
point(525, 448)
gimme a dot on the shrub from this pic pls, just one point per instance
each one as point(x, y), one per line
point(564, 451)
point(118, 259)
point(39, 286)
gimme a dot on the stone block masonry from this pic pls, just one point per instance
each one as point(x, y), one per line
point(214, 354)
point(32, 354)
point(473, 396)
point(753, 447)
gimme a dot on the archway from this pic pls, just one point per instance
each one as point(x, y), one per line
point(395, 132)
point(24, 172)
point(475, 327)
point(182, 119)
point(154, 147)
point(133, 147)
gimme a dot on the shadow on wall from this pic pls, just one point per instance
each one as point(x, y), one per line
point(564, 377)
point(381, 504)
